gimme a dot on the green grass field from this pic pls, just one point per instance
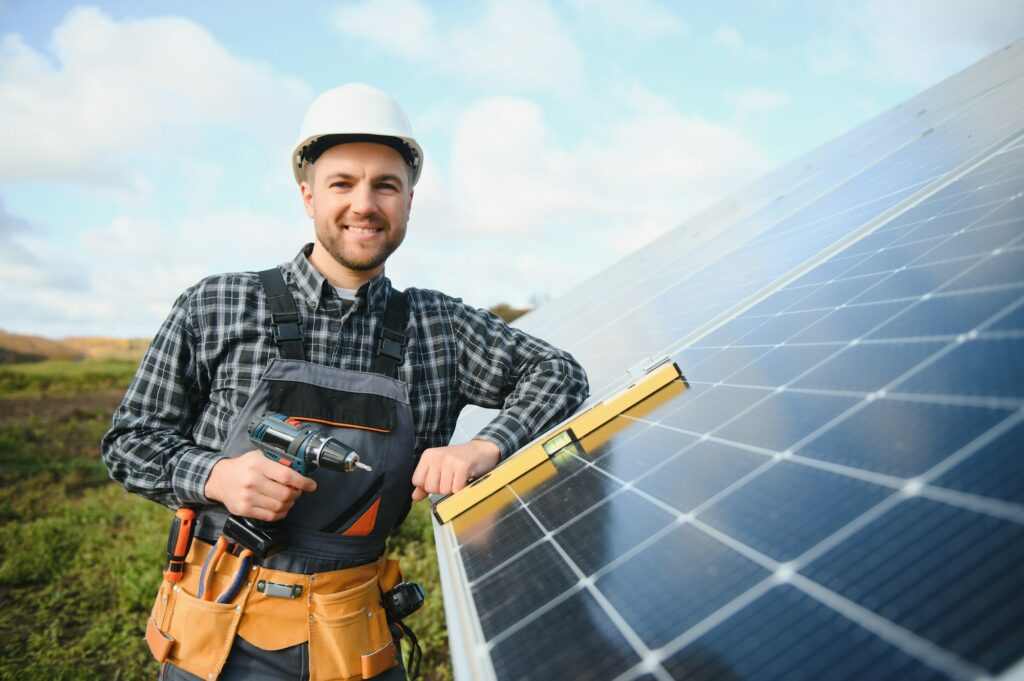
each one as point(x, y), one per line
point(80, 558)
point(64, 377)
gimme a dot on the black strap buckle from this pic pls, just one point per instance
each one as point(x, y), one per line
point(395, 349)
point(286, 328)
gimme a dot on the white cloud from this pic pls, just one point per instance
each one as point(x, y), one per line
point(514, 176)
point(121, 278)
point(23, 259)
point(917, 42)
point(404, 27)
point(520, 45)
point(110, 89)
point(729, 37)
point(758, 100)
point(545, 214)
point(636, 19)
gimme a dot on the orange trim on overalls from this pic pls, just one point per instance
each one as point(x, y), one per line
point(299, 419)
point(364, 526)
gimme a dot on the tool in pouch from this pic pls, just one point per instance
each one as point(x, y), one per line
point(179, 541)
point(400, 602)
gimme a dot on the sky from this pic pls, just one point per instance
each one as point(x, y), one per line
point(145, 145)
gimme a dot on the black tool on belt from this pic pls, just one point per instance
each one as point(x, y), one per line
point(402, 601)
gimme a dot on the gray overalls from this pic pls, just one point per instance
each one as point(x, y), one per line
point(342, 525)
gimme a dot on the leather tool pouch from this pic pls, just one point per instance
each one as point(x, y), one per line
point(190, 633)
point(339, 613)
point(193, 634)
point(349, 636)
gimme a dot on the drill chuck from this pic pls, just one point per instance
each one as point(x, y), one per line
point(334, 455)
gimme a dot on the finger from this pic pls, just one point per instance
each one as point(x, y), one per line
point(265, 489)
point(269, 515)
point(432, 483)
point(266, 511)
point(460, 479)
point(279, 495)
point(419, 494)
point(444, 484)
point(286, 476)
point(419, 475)
point(457, 473)
point(279, 500)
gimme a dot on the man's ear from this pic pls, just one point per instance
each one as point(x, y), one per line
point(408, 207)
point(307, 198)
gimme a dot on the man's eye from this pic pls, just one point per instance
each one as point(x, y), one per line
point(341, 184)
point(387, 187)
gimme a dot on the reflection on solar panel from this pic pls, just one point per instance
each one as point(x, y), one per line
point(840, 492)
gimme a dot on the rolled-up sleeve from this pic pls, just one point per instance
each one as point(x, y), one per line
point(149, 448)
point(534, 384)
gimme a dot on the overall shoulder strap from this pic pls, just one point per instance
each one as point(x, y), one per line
point(391, 345)
point(284, 317)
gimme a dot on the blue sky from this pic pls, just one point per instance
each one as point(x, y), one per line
point(145, 145)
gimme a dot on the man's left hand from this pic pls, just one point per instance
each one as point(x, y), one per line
point(445, 470)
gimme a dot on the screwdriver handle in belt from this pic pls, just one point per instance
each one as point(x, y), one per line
point(179, 541)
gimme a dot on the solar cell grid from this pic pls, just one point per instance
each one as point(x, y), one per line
point(579, 617)
point(699, 473)
point(947, 315)
point(922, 561)
point(865, 367)
point(838, 495)
point(651, 586)
point(610, 529)
point(996, 470)
point(782, 364)
point(901, 438)
point(785, 630)
point(649, 448)
point(1011, 321)
point(512, 592)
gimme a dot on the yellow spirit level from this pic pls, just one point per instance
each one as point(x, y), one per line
point(660, 376)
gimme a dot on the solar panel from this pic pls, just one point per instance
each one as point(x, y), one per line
point(839, 493)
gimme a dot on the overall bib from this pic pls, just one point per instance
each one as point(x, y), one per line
point(316, 603)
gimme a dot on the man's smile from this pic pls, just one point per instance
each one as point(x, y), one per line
point(362, 230)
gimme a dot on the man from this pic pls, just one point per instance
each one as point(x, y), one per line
point(325, 340)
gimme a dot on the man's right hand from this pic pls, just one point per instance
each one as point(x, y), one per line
point(253, 486)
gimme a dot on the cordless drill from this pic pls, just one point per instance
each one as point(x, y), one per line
point(300, 447)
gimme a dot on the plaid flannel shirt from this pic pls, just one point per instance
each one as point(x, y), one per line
point(212, 349)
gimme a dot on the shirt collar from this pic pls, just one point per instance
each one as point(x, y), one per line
point(312, 285)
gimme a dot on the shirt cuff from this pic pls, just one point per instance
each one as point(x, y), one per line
point(501, 435)
point(191, 472)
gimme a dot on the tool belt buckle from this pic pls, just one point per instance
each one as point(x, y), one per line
point(279, 590)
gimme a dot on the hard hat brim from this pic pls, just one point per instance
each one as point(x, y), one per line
point(309, 150)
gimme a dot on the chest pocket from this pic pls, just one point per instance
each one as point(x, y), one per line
point(331, 407)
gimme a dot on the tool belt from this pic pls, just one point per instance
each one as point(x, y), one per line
point(338, 613)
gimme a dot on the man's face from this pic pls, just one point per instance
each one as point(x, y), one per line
point(358, 196)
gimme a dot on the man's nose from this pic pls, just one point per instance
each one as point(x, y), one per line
point(363, 200)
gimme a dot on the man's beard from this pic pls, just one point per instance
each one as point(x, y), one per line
point(331, 240)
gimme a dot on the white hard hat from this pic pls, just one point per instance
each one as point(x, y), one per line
point(355, 113)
